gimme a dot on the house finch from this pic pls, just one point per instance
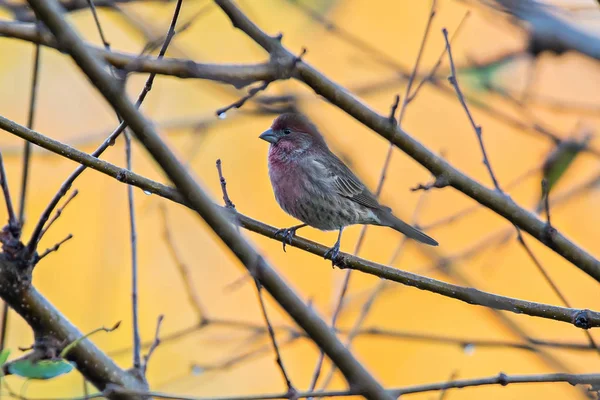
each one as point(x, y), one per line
point(316, 187)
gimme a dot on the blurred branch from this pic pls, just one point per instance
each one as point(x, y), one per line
point(402, 75)
point(238, 75)
point(51, 13)
point(49, 324)
point(259, 289)
point(581, 318)
point(551, 31)
point(492, 199)
point(30, 120)
point(184, 271)
point(154, 345)
point(23, 12)
point(499, 379)
point(13, 223)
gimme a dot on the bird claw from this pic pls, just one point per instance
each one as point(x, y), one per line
point(333, 254)
point(287, 234)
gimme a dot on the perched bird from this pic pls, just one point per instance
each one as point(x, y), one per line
point(316, 187)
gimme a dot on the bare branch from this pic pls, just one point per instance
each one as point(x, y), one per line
point(55, 247)
point(137, 341)
point(477, 128)
point(499, 379)
point(184, 271)
point(58, 212)
point(51, 13)
point(37, 232)
point(291, 390)
point(13, 224)
point(552, 31)
point(98, 25)
point(154, 344)
point(30, 120)
point(492, 199)
point(233, 74)
point(581, 318)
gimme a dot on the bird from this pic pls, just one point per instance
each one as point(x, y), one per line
point(313, 185)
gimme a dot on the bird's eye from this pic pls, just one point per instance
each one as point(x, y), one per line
point(287, 131)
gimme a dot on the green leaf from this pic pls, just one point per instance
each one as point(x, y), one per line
point(481, 78)
point(43, 369)
point(4, 356)
point(559, 160)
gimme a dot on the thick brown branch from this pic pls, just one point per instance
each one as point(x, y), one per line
point(47, 322)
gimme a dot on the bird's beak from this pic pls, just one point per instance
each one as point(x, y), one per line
point(269, 136)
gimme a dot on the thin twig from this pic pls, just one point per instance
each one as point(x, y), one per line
point(278, 359)
point(221, 112)
point(444, 221)
point(55, 247)
point(12, 220)
point(30, 120)
point(291, 390)
point(478, 131)
point(154, 344)
point(137, 347)
point(551, 282)
point(438, 63)
point(35, 237)
point(183, 269)
point(248, 355)
point(444, 391)
point(407, 95)
point(470, 295)
point(378, 289)
point(59, 212)
point(391, 118)
point(4, 328)
point(152, 45)
point(98, 26)
point(545, 199)
point(393, 109)
point(226, 199)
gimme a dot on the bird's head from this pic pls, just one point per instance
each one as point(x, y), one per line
point(292, 132)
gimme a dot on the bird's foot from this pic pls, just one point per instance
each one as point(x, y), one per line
point(333, 254)
point(287, 234)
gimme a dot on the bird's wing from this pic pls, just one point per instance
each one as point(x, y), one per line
point(346, 184)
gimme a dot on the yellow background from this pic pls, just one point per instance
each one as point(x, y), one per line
point(89, 278)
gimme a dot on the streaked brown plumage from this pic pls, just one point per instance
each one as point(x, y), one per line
point(313, 185)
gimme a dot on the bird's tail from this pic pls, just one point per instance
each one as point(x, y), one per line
point(388, 219)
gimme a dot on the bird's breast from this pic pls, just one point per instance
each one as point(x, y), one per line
point(305, 194)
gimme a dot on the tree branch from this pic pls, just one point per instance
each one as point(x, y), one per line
point(582, 318)
point(551, 31)
point(234, 74)
point(47, 322)
point(490, 198)
point(51, 13)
